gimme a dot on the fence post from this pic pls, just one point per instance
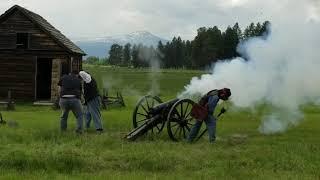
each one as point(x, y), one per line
point(10, 105)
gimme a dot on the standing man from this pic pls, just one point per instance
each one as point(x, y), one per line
point(92, 101)
point(209, 101)
point(70, 93)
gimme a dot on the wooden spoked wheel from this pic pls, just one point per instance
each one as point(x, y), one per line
point(179, 120)
point(141, 113)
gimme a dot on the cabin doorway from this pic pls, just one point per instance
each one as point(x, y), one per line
point(43, 79)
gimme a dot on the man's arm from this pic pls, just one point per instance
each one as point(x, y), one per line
point(59, 86)
point(212, 103)
point(60, 81)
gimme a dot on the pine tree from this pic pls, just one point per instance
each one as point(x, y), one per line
point(264, 29)
point(230, 42)
point(249, 31)
point(126, 55)
point(237, 29)
point(135, 56)
point(188, 54)
point(197, 47)
point(161, 53)
point(115, 54)
point(258, 28)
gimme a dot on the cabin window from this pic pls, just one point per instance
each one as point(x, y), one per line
point(22, 40)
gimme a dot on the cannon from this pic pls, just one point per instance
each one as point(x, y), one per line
point(107, 100)
point(153, 115)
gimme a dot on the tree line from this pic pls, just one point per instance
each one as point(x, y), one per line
point(210, 45)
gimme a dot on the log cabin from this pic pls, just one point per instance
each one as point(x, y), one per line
point(33, 56)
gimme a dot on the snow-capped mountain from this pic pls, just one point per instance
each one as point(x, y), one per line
point(100, 46)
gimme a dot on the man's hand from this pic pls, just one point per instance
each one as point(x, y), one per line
point(223, 110)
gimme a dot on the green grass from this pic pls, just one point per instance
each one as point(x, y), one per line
point(33, 147)
point(138, 82)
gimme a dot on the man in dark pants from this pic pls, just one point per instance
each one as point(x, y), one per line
point(70, 93)
point(92, 101)
point(209, 101)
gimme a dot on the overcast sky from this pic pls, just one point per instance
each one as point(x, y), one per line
point(165, 18)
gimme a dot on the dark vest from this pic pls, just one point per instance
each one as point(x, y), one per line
point(204, 100)
point(70, 85)
point(90, 90)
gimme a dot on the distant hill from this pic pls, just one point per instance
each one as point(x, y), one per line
point(100, 46)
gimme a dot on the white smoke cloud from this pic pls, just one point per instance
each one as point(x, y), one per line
point(314, 10)
point(150, 55)
point(282, 69)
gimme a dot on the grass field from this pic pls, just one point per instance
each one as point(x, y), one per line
point(31, 146)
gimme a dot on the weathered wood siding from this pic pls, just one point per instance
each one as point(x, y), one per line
point(18, 75)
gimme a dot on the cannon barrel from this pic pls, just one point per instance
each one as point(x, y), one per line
point(162, 107)
point(147, 125)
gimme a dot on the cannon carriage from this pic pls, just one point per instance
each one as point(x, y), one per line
point(153, 115)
